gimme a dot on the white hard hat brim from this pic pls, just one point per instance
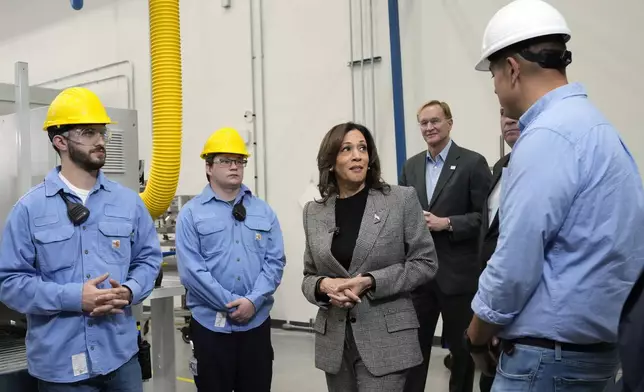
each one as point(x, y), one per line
point(483, 65)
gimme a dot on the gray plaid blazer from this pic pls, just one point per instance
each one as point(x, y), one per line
point(395, 247)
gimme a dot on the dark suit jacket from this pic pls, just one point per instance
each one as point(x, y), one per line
point(490, 232)
point(631, 339)
point(459, 195)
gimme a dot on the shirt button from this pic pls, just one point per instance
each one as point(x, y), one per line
point(237, 242)
point(88, 276)
point(90, 323)
point(353, 319)
point(238, 278)
point(84, 227)
point(238, 259)
point(92, 348)
point(86, 251)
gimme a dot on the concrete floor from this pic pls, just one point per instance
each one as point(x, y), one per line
point(294, 367)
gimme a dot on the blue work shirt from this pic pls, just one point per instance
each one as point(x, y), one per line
point(434, 168)
point(221, 259)
point(45, 260)
point(571, 221)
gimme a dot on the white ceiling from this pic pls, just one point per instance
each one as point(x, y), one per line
point(19, 17)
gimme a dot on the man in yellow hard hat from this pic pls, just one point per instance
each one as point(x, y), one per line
point(230, 256)
point(571, 216)
point(76, 252)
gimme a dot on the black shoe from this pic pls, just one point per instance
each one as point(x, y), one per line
point(447, 361)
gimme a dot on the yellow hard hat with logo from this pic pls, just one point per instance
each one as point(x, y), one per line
point(76, 105)
point(225, 141)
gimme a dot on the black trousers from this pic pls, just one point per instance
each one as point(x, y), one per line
point(240, 361)
point(485, 383)
point(457, 314)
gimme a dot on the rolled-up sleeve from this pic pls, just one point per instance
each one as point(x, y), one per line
point(538, 189)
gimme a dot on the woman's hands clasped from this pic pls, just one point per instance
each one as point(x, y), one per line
point(345, 293)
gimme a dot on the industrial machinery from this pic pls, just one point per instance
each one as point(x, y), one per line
point(166, 227)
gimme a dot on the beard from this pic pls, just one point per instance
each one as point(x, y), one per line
point(85, 160)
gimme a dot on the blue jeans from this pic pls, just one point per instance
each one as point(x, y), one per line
point(530, 368)
point(127, 378)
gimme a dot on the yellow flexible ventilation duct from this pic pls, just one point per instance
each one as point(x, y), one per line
point(165, 54)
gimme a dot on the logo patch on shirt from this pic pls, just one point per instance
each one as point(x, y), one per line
point(116, 244)
point(258, 237)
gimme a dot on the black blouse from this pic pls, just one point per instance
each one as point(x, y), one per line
point(348, 216)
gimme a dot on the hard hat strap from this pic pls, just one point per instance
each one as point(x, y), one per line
point(548, 58)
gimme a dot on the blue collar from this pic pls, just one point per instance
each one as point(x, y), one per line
point(53, 183)
point(442, 154)
point(208, 194)
point(558, 94)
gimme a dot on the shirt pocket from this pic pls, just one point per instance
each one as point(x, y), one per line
point(211, 237)
point(114, 245)
point(255, 234)
point(56, 248)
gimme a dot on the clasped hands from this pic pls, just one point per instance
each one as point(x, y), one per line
point(244, 312)
point(345, 293)
point(101, 302)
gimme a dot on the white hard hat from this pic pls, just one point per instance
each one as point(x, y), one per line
point(519, 21)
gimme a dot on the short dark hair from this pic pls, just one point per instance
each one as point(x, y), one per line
point(209, 161)
point(548, 51)
point(328, 153)
point(56, 130)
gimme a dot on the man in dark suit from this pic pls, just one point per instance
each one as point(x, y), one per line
point(490, 216)
point(451, 183)
point(631, 340)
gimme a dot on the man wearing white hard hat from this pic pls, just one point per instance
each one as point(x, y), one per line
point(571, 218)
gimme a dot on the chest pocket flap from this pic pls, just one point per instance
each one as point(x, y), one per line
point(56, 248)
point(114, 241)
point(256, 233)
point(212, 237)
point(56, 234)
point(258, 223)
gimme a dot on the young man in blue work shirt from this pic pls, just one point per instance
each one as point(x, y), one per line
point(230, 255)
point(75, 279)
point(571, 218)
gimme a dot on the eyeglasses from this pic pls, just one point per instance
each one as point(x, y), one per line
point(228, 162)
point(91, 135)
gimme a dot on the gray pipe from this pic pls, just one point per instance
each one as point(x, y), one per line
point(23, 134)
point(373, 73)
point(353, 89)
point(130, 79)
point(364, 98)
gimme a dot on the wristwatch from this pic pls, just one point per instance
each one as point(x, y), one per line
point(449, 225)
point(473, 348)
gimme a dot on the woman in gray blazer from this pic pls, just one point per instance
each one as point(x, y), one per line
point(367, 248)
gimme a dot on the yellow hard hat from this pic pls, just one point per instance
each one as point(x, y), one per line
point(225, 141)
point(76, 105)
